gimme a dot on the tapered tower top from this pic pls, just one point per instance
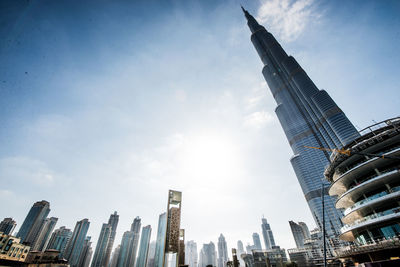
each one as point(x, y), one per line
point(251, 21)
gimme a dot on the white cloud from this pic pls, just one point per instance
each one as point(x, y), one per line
point(258, 119)
point(287, 18)
point(26, 169)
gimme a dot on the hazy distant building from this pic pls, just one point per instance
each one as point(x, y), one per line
point(7, 226)
point(208, 255)
point(86, 254)
point(250, 248)
point(44, 234)
point(135, 229)
point(114, 256)
point(59, 239)
point(99, 257)
point(125, 249)
point(151, 254)
point(191, 256)
point(257, 242)
point(144, 246)
point(160, 241)
point(222, 251)
point(306, 232)
point(240, 251)
point(113, 222)
point(269, 240)
point(76, 243)
point(300, 233)
point(33, 222)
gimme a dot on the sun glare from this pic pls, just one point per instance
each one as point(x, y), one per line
point(210, 158)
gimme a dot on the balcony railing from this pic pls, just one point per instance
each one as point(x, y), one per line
point(370, 217)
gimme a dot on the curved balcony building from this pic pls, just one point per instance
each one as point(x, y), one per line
point(367, 184)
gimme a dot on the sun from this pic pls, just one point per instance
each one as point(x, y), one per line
point(210, 158)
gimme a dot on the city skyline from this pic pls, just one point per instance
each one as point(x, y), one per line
point(87, 139)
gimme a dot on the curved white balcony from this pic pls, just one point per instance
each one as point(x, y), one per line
point(341, 184)
point(380, 217)
point(347, 199)
point(355, 212)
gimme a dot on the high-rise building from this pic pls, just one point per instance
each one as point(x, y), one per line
point(135, 229)
point(309, 117)
point(76, 242)
point(191, 256)
point(44, 234)
point(306, 232)
point(125, 250)
point(33, 222)
point(113, 222)
point(269, 240)
point(59, 239)
point(222, 251)
point(114, 256)
point(144, 246)
point(208, 255)
point(240, 251)
point(151, 254)
point(256, 241)
point(99, 257)
point(173, 234)
point(298, 234)
point(160, 241)
point(7, 226)
point(86, 254)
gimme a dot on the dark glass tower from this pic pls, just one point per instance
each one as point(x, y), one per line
point(33, 222)
point(309, 117)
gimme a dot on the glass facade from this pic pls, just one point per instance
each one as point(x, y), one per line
point(309, 117)
point(33, 222)
point(76, 243)
point(160, 241)
point(144, 246)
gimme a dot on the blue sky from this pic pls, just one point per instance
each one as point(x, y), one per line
point(105, 105)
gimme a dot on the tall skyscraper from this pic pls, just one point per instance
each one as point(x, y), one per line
point(222, 251)
point(86, 253)
point(135, 229)
point(240, 251)
point(33, 222)
point(208, 255)
point(7, 226)
point(191, 256)
point(305, 230)
point(309, 117)
point(151, 254)
point(76, 243)
point(269, 240)
point(125, 250)
point(59, 239)
point(114, 257)
point(257, 242)
point(144, 246)
point(298, 235)
point(160, 241)
point(44, 234)
point(113, 222)
point(99, 257)
point(173, 234)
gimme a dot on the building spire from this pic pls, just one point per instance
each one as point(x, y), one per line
point(251, 21)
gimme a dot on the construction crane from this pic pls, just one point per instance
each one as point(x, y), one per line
point(350, 152)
